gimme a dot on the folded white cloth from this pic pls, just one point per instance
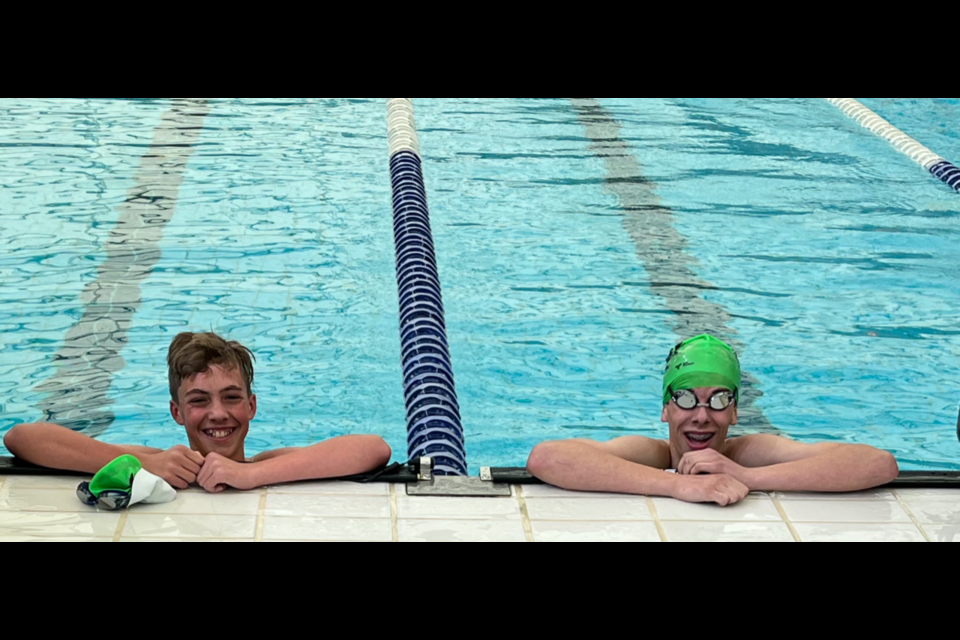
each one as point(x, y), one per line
point(150, 489)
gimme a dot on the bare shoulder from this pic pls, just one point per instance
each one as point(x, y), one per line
point(136, 449)
point(763, 450)
point(270, 455)
point(646, 451)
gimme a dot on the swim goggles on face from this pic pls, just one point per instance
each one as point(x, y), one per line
point(688, 401)
point(108, 500)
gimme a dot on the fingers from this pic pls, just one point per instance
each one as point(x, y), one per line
point(211, 476)
point(706, 469)
point(185, 476)
point(730, 492)
point(191, 460)
point(205, 473)
point(686, 462)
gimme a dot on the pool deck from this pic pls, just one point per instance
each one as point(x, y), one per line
point(47, 510)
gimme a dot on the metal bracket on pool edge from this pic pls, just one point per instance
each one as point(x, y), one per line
point(482, 487)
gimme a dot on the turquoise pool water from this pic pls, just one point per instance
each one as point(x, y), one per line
point(829, 257)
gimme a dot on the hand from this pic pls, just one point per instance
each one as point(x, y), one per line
point(219, 474)
point(178, 466)
point(720, 489)
point(712, 463)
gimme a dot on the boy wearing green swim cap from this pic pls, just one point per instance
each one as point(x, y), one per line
point(211, 388)
point(701, 394)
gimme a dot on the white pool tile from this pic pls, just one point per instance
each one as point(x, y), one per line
point(753, 509)
point(419, 508)
point(333, 488)
point(44, 482)
point(934, 510)
point(621, 509)
point(50, 540)
point(863, 532)
point(546, 491)
point(935, 494)
point(58, 525)
point(328, 529)
point(863, 496)
point(833, 511)
point(16, 498)
point(180, 540)
point(595, 532)
point(223, 504)
point(949, 534)
point(145, 525)
point(727, 532)
point(461, 531)
point(328, 506)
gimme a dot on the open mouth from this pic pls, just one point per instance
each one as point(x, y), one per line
point(699, 441)
point(219, 435)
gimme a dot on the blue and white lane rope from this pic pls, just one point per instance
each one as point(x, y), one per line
point(434, 427)
point(945, 171)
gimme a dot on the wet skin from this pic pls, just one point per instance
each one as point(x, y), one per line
point(216, 410)
point(698, 429)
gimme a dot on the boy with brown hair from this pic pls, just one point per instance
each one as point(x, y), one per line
point(211, 390)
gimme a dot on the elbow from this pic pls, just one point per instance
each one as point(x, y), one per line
point(542, 460)
point(13, 440)
point(887, 467)
point(379, 451)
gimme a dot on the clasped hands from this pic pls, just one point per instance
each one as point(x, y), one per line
point(709, 476)
point(181, 467)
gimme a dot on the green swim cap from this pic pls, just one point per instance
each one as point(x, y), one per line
point(699, 363)
point(116, 476)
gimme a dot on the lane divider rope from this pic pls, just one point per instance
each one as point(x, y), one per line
point(434, 426)
point(945, 171)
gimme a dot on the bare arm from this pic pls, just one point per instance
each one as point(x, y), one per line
point(56, 447)
point(627, 465)
point(336, 458)
point(777, 464)
point(278, 453)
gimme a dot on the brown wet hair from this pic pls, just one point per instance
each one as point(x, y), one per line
point(194, 353)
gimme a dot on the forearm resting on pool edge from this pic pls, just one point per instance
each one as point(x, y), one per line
point(56, 447)
point(836, 468)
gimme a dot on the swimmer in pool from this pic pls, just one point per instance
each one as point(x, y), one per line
point(701, 392)
point(211, 386)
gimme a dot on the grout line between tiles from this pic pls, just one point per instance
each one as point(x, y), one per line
point(322, 494)
point(786, 519)
point(524, 514)
point(656, 520)
point(118, 534)
point(394, 514)
point(261, 516)
point(913, 518)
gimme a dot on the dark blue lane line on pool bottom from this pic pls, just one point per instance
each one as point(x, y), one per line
point(434, 426)
point(948, 173)
point(663, 250)
point(77, 395)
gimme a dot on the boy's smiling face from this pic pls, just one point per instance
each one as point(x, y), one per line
point(216, 410)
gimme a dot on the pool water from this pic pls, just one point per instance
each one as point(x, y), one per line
point(578, 240)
